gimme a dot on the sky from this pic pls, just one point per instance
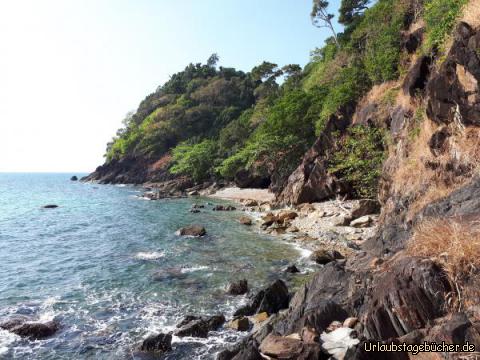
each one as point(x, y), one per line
point(71, 69)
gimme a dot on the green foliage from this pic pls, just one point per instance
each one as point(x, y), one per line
point(440, 17)
point(194, 160)
point(359, 159)
point(349, 85)
point(378, 38)
point(351, 10)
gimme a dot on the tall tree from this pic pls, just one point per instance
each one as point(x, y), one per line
point(322, 18)
point(351, 10)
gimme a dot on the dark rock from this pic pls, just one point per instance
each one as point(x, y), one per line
point(238, 287)
point(224, 208)
point(438, 141)
point(417, 78)
point(413, 40)
point(198, 206)
point(74, 178)
point(32, 330)
point(365, 207)
point(249, 351)
point(50, 206)
point(249, 179)
point(330, 296)
point(245, 220)
point(311, 181)
point(454, 329)
point(271, 300)
point(407, 297)
point(292, 269)
point(157, 343)
point(187, 319)
point(240, 324)
point(324, 257)
point(193, 230)
point(453, 90)
point(199, 327)
point(194, 211)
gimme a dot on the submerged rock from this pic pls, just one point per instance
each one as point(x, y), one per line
point(157, 343)
point(50, 206)
point(192, 230)
point(74, 178)
point(224, 208)
point(292, 269)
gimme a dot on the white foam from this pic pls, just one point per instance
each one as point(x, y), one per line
point(153, 255)
point(193, 269)
point(6, 338)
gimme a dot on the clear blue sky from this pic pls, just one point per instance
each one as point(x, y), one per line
point(70, 70)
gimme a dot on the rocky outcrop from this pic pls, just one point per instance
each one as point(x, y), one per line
point(192, 230)
point(406, 298)
point(30, 329)
point(311, 181)
point(196, 326)
point(271, 300)
point(239, 287)
point(159, 343)
point(453, 91)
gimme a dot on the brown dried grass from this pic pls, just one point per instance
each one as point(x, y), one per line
point(454, 243)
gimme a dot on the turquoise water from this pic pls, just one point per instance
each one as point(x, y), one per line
point(108, 266)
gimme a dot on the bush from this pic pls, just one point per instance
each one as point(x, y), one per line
point(194, 160)
point(359, 158)
point(440, 17)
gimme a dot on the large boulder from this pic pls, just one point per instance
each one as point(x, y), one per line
point(192, 230)
point(271, 300)
point(239, 287)
point(407, 297)
point(157, 343)
point(33, 330)
point(311, 181)
point(199, 326)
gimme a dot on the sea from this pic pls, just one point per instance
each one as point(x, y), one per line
point(108, 266)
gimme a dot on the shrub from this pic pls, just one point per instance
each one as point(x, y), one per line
point(440, 17)
point(194, 160)
point(359, 159)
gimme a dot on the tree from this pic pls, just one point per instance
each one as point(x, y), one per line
point(322, 18)
point(351, 10)
point(213, 60)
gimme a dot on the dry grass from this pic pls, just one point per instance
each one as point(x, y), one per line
point(161, 163)
point(471, 13)
point(455, 244)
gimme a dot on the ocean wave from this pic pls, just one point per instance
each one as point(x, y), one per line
point(154, 255)
point(187, 270)
point(6, 338)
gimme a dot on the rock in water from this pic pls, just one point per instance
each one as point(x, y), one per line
point(239, 324)
point(324, 257)
point(193, 230)
point(32, 330)
point(199, 326)
point(292, 269)
point(238, 287)
point(74, 178)
point(51, 206)
point(271, 300)
point(245, 220)
point(157, 343)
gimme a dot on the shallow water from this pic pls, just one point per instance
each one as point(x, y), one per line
point(110, 268)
